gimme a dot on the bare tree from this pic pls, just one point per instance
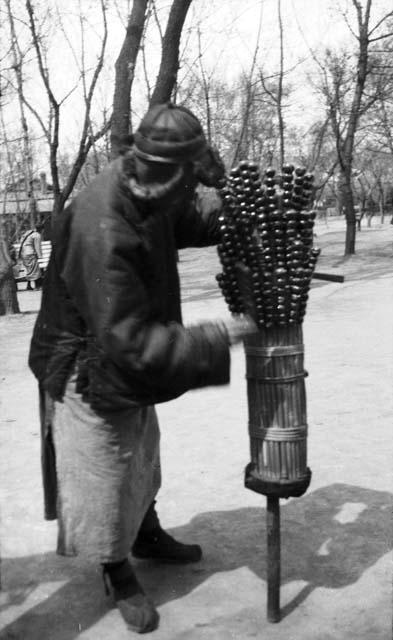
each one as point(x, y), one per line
point(382, 125)
point(51, 125)
point(373, 177)
point(8, 291)
point(319, 157)
point(347, 97)
point(249, 96)
point(49, 122)
point(17, 65)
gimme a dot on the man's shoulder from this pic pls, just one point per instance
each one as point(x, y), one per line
point(103, 183)
point(101, 208)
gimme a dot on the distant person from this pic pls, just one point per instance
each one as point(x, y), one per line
point(30, 252)
point(109, 344)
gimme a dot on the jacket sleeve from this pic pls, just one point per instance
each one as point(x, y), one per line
point(197, 224)
point(107, 286)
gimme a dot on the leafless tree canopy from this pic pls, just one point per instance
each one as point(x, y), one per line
point(73, 88)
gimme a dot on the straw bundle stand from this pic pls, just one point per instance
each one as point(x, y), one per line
point(268, 260)
point(277, 413)
point(278, 434)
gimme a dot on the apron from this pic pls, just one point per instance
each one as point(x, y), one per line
point(107, 475)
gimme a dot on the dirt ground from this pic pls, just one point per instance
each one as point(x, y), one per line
point(336, 539)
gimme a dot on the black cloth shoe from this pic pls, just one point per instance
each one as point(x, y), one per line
point(159, 545)
point(137, 610)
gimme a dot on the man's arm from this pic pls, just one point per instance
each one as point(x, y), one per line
point(108, 289)
point(197, 225)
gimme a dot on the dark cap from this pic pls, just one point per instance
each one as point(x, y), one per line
point(169, 133)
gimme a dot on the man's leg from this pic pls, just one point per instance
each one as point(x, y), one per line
point(99, 518)
point(153, 542)
point(136, 609)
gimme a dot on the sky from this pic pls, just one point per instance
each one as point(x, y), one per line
point(230, 31)
point(229, 34)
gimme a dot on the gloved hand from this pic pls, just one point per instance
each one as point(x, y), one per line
point(239, 327)
point(209, 169)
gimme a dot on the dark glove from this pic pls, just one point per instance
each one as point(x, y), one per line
point(209, 168)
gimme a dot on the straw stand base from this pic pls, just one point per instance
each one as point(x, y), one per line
point(278, 434)
point(277, 412)
point(295, 489)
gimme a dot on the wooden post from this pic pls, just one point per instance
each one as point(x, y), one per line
point(273, 559)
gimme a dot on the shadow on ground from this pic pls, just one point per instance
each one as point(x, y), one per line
point(329, 538)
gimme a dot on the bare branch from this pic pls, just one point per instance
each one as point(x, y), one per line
point(157, 21)
point(381, 21)
point(249, 91)
point(87, 141)
point(37, 47)
point(205, 85)
point(349, 26)
point(27, 155)
point(386, 35)
point(54, 114)
point(143, 51)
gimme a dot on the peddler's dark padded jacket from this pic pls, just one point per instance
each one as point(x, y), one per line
point(111, 301)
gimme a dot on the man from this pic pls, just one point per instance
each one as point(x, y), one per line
point(109, 343)
point(30, 252)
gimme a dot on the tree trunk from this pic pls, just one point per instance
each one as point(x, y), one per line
point(125, 71)
point(8, 297)
point(382, 211)
point(347, 206)
point(381, 202)
point(126, 62)
point(169, 66)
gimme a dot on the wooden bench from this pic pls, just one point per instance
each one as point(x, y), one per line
point(46, 251)
point(19, 270)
